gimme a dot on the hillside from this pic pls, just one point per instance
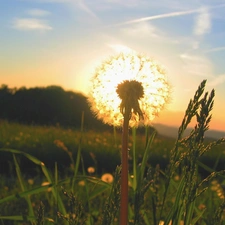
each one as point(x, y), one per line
point(170, 131)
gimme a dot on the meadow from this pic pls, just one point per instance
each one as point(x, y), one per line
point(53, 175)
point(23, 177)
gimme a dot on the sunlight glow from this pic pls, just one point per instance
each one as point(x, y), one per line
point(104, 100)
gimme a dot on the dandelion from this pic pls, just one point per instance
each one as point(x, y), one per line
point(147, 80)
point(201, 206)
point(81, 183)
point(91, 170)
point(128, 90)
point(161, 222)
point(61, 145)
point(107, 177)
point(30, 181)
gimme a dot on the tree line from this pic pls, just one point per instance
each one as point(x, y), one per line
point(50, 105)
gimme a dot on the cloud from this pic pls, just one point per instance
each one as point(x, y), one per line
point(31, 24)
point(220, 79)
point(38, 12)
point(142, 30)
point(197, 65)
point(120, 48)
point(130, 3)
point(203, 22)
point(48, 1)
point(85, 8)
point(215, 49)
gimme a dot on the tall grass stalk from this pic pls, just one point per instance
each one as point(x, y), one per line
point(78, 156)
point(23, 188)
point(47, 175)
point(186, 155)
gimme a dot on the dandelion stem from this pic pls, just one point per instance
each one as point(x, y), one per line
point(124, 171)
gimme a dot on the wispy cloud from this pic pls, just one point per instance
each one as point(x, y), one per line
point(203, 22)
point(215, 49)
point(48, 1)
point(120, 48)
point(197, 65)
point(31, 24)
point(85, 8)
point(142, 30)
point(38, 12)
point(218, 80)
point(129, 4)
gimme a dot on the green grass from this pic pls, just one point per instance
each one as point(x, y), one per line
point(55, 144)
point(170, 181)
point(52, 144)
point(23, 194)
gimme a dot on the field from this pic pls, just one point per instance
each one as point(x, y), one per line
point(51, 175)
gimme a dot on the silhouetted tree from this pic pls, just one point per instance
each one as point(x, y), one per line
point(47, 106)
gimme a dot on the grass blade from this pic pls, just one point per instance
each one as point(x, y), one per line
point(46, 173)
point(78, 156)
point(23, 186)
point(146, 155)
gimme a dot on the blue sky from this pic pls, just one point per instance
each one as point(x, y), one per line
point(61, 42)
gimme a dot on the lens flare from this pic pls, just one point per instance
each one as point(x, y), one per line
point(104, 100)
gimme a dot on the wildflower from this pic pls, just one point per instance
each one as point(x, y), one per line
point(46, 183)
point(202, 206)
point(161, 222)
point(81, 183)
point(91, 170)
point(128, 90)
point(61, 145)
point(107, 177)
point(177, 178)
point(30, 181)
point(132, 78)
point(6, 188)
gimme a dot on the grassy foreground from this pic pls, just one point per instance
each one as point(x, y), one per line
point(58, 176)
point(54, 144)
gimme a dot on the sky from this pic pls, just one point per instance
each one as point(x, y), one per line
point(62, 42)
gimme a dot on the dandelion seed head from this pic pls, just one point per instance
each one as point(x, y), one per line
point(105, 101)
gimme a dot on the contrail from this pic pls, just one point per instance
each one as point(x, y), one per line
point(166, 15)
point(173, 14)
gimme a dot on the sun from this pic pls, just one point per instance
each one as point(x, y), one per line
point(104, 100)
